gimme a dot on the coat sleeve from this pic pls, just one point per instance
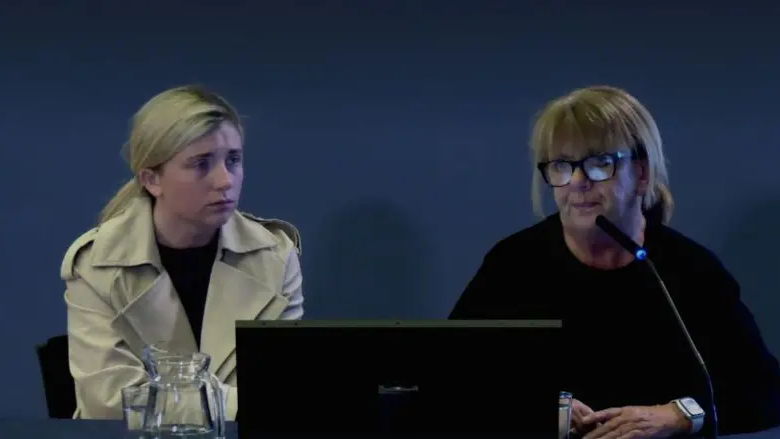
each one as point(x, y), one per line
point(100, 361)
point(292, 288)
point(290, 243)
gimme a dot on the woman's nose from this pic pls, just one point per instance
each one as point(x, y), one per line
point(579, 179)
point(222, 178)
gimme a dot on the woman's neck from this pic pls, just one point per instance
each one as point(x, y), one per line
point(175, 233)
point(596, 249)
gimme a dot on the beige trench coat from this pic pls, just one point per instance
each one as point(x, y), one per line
point(119, 298)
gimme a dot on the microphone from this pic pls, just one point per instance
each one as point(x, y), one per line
point(641, 254)
point(621, 238)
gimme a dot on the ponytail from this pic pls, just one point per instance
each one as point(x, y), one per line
point(121, 200)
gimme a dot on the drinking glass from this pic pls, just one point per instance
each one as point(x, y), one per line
point(134, 399)
point(397, 408)
point(564, 414)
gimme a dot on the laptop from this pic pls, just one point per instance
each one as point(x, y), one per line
point(368, 377)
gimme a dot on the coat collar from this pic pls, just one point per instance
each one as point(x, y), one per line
point(129, 240)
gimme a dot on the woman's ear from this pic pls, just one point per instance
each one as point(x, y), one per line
point(150, 180)
point(642, 171)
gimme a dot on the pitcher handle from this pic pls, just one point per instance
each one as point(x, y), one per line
point(220, 402)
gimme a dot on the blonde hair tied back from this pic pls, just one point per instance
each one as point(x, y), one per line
point(161, 128)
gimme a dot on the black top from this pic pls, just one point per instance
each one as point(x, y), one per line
point(624, 345)
point(190, 272)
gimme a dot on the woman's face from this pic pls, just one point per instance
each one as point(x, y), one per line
point(201, 185)
point(617, 196)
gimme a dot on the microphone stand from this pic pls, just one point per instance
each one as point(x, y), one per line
point(641, 254)
point(713, 409)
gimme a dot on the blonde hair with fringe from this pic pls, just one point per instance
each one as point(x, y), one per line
point(600, 119)
point(161, 128)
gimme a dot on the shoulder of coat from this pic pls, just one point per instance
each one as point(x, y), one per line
point(276, 226)
point(76, 251)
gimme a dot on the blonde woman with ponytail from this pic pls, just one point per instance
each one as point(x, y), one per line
point(599, 152)
point(172, 260)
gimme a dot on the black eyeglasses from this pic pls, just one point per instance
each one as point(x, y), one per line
point(600, 167)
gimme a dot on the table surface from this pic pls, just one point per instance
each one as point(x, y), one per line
point(72, 429)
point(78, 429)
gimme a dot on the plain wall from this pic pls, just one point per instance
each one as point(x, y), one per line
point(393, 134)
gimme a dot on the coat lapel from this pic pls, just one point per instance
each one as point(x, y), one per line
point(233, 295)
point(152, 308)
point(156, 315)
point(238, 290)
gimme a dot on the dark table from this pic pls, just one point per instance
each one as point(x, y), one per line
point(80, 429)
point(70, 429)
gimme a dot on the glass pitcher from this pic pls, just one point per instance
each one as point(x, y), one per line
point(185, 399)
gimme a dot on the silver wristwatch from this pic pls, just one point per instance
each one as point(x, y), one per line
point(692, 411)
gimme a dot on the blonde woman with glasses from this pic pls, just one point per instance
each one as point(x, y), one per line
point(599, 152)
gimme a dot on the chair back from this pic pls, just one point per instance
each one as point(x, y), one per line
point(58, 384)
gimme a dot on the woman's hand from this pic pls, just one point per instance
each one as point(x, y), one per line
point(658, 421)
point(578, 412)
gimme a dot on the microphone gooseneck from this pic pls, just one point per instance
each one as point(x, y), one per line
point(641, 254)
point(621, 238)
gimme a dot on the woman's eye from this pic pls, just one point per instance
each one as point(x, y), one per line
point(604, 160)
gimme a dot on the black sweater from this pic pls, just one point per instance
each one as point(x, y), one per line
point(624, 345)
point(190, 272)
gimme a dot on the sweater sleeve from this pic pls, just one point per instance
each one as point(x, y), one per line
point(745, 375)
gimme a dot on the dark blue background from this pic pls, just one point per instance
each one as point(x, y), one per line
point(393, 133)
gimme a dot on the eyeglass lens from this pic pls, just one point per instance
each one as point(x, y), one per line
point(596, 168)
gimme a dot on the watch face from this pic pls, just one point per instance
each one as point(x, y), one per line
point(692, 406)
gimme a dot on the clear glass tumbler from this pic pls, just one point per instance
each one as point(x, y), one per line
point(134, 400)
point(397, 408)
point(564, 414)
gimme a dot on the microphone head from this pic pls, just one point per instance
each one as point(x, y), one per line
point(621, 238)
